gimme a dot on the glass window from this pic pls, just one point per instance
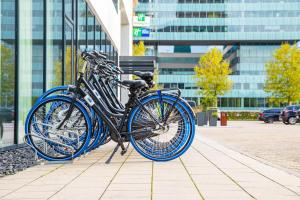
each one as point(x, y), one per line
point(210, 14)
point(69, 72)
point(82, 28)
point(196, 14)
point(237, 86)
point(234, 28)
point(97, 37)
point(224, 102)
point(180, 14)
point(260, 102)
point(103, 41)
point(54, 44)
point(180, 28)
point(69, 8)
point(7, 71)
point(217, 29)
point(109, 47)
point(202, 28)
point(173, 28)
point(181, 85)
point(210, 29)
point(246, 86)
point(188, 14)
point(167, 29)
point(188, 29)
point(202, 14)
point(167, 85)
point(30, 57)
point(246, 102)
point(260, 86)
point(91, 30)
point(173, 85)
point(117, 58)
point(196, 29)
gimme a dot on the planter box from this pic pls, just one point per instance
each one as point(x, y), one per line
point(213, 121)
point(201, 118)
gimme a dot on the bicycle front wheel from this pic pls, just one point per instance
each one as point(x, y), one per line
point(170, 134)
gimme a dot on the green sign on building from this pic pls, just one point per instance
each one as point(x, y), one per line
point(141, 17)
point(137, 32)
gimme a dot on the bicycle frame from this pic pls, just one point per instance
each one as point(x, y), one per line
point(93, 99)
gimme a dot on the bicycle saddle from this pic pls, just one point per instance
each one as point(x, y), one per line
point(110, 62)
point(134, 84)
point(100, 55)
point(144, 75)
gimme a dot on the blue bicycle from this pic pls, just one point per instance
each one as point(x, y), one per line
point(70, 120)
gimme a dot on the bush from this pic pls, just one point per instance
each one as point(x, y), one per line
point(214, 114)
point(197, 109)
point(242, 115)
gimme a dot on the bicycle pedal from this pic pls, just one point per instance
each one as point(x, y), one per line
point(125, 150)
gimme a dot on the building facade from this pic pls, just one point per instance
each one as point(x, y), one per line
point(41, 41)
point(247, 31)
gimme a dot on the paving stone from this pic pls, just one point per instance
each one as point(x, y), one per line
point(210, 171)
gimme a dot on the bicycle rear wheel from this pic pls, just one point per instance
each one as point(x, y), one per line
point(51, 142)
point(97, 136)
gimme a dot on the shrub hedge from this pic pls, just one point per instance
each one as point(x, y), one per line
point(242, 115)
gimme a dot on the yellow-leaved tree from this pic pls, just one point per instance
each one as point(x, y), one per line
point(139, 49)
point(68, 69)
point(283, 75)
point(212, 75)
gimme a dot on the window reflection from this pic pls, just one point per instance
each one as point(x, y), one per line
point(82, 26)
point(7, 72)
point(69, 58)
point(30, 65)
point(69, 8)
point(35, 54)
point(90, 30)
point(54, 44)
point(97, 37)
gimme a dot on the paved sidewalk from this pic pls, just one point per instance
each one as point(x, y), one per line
point(207, 171)
point(276, 144)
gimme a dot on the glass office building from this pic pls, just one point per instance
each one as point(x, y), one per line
point(41, 41)
point(248, 31)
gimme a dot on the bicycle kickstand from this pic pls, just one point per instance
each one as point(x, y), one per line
point(112, 154)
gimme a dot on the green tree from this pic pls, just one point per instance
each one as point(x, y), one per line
point(212, 75)
point(283, 75)
point(139, 49)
